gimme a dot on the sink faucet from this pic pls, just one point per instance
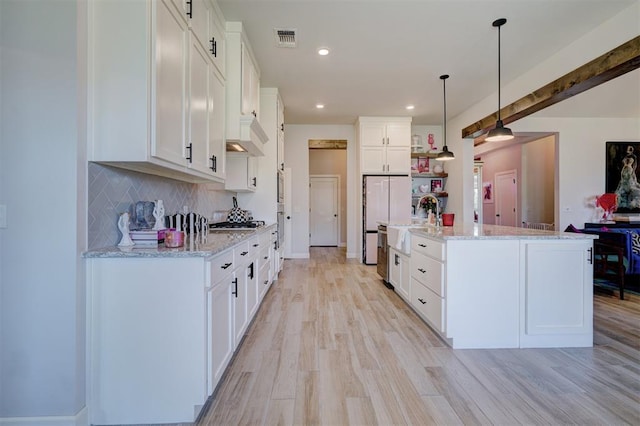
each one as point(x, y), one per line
point(437, 202)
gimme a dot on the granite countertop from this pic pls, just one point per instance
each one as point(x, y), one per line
point(201, 246)
point(474, 231)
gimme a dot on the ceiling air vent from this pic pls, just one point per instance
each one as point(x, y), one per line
point(285, 37)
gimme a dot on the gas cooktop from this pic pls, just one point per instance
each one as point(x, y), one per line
point(221, 226)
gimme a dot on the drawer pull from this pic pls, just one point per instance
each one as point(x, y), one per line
point(266, 257)
point(256, 245)
point(421, 270)
point(235, 291)
point(266, 282)
point(422, 301)
point(244, 253)
point(226, 265)
point(422, 245)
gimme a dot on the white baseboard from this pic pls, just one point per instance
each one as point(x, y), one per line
point(80, 419)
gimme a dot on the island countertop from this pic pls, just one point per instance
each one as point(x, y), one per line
point(475, 231)
point(200, 246)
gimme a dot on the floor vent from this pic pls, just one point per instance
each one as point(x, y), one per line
point(285, 37)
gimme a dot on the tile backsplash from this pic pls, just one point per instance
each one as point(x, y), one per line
point(113, 191)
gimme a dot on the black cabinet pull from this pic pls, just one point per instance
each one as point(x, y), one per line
point(254, 113)
point(266, 282)
point(422, 245)
point(244, 253)
point(266, 257)
point(421, 270)
point(235, 292)
point(282, 166)
point(397, 258)
point(422, 301)
point(214, 47)
point(225, 266)
point(282, 127)
point(288, 217)
point(190, 156)
point(591, 256)
point(190, 12)
point(251, 271)
point(255, 181)
point(214, 163)
point(256, 245)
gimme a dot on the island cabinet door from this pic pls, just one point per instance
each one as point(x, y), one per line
point(556, 294)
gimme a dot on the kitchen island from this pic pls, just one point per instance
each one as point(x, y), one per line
point(164, 323)
point(488, 286)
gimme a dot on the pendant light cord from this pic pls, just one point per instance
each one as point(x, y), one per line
point(499, 76)
point(444, 94)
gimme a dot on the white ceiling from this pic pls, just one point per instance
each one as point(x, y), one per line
point(388, 54)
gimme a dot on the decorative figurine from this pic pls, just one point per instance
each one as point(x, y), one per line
point(158, 213)
point(123, 226)
point(431, 142)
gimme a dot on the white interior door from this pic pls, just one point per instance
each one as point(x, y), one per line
point(288, 214)
point(323, 215)
point(506, 198)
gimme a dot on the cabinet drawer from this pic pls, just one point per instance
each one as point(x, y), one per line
point(264, 257)
point(254, 247)
point(429, 272)
point(221, 265)
point(429, 247)
point(428, 304)
point(241, 253)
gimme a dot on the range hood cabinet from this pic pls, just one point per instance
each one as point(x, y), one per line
point(251, 137)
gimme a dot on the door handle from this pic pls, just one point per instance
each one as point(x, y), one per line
point(235, 292)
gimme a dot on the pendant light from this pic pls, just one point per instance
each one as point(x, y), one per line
point(445, 155)
point(499, 133)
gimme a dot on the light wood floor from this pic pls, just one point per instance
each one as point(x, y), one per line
point(332, 346)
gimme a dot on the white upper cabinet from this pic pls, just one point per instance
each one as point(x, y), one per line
point(204, 20)
point(250, 84)
point(243, 129)
point(152, 91)
point(385, 145)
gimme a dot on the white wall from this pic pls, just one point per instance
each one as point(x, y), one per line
point(297, 158)
point(43, 175)
point(581, 161)
point(575, 134)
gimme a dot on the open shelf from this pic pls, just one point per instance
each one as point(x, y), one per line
point(424, 154)
point(437, 194)
point(429, 175)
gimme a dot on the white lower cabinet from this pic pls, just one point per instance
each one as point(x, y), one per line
point(504, 292)
point(399, 273)
point(221, 336)
point(165, 329)
point(556, 305)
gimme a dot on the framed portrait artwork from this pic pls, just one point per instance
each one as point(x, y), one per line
point(623, 175)
point(487, 192)
point(436, 185)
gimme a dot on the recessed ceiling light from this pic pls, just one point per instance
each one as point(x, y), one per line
point(323, 51)
point(410, 107)
point(319, 106)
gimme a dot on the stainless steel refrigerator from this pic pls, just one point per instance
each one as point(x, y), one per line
point(384, 199)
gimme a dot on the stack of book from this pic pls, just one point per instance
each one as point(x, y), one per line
point(630, 218)
point(145, 237)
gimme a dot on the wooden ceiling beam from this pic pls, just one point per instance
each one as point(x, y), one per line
point(616, 62)
point(327, 144)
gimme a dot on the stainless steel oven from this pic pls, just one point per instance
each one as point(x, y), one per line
point(280, 219)
point(280, 188)
point(383, 255)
